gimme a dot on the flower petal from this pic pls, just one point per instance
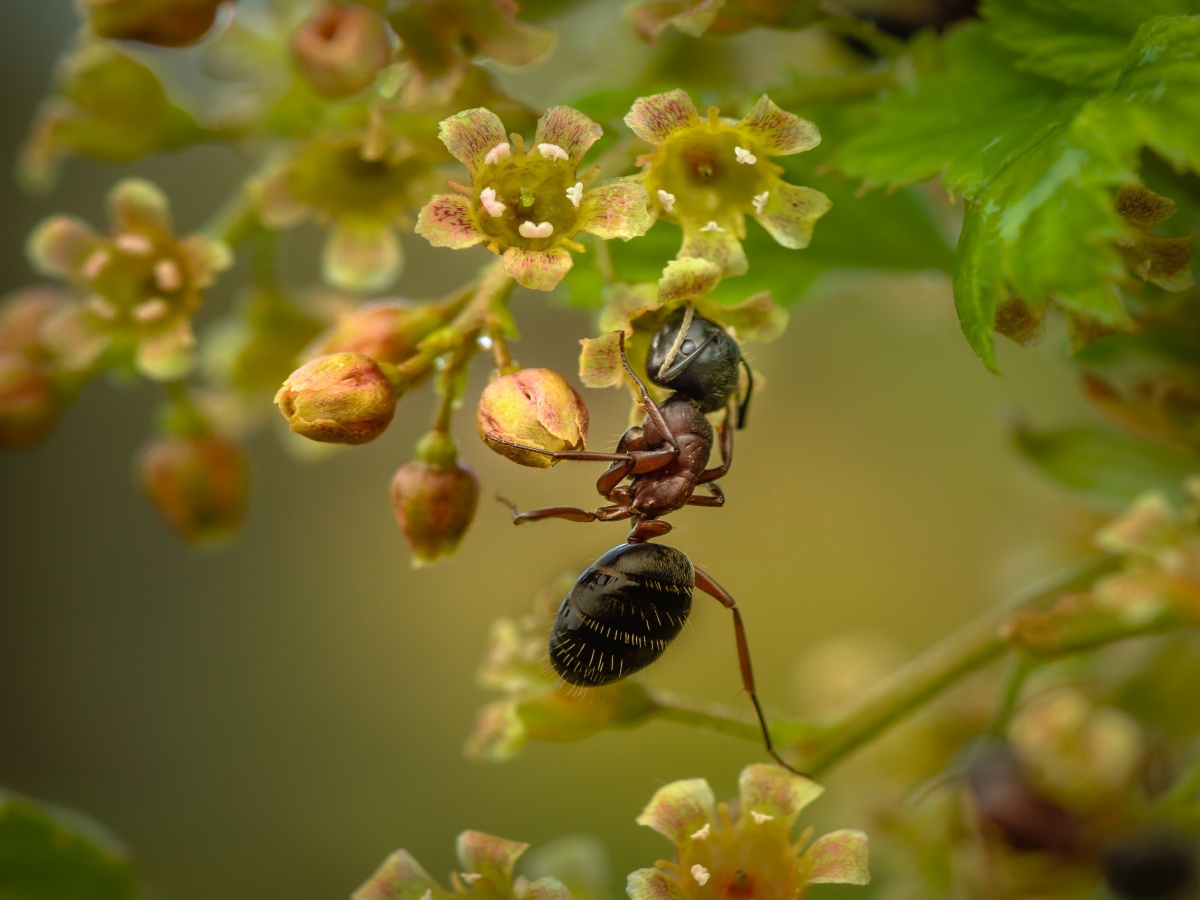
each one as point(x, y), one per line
point(361, 256)
point(470, 134)
point(650, 19)
point(277, 206)
point(653, 884)
point(791, 212)
point(205, 258)
point(656, 118)
point(168, 354)
point(569, 129)
point(680, 809)
point(778, 132)
point(489, 856)
point(686, 278)
point(774, 791)
point(600, 361)
point(615, 209)
point(757, 318)
point(446, 221)
point(135, 204)
point(547, 888)
point(625, 303)
point(399, 878)
point(539, 270)
point(73, 338)
point(499, 733)
point(839, 857)
point(59, 245)
point(721, 247)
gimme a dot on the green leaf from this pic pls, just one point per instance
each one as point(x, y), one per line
point(1079, 42)
point(48, 853)
point(1108, 468)
point(1038, 160)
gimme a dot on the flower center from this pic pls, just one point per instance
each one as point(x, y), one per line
point(535, 191)
point(707, 175)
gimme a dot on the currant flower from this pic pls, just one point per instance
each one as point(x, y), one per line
point(747, 851)
point(140, 284)
point(708, 174)
point(528, 204)
point(486, 872)
point(364, 193)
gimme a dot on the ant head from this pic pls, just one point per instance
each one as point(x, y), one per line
point(704, 365)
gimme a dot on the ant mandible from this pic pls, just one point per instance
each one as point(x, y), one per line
point(633, 601)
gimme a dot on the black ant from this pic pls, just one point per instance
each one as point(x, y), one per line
point(666, 457)
point(633, 601)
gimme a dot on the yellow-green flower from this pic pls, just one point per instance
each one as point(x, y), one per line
point(528, 204)
point(486, 873)
point(709, 174)
point(140, 284)
point(746, 852)
point(364, 193)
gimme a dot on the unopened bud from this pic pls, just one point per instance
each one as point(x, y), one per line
point(536, 408)
point(197, 483)
point(386, 330)
point(434, 498)
point(341, 49)
point(163, 23)
point(342, 398)
point(29, 402)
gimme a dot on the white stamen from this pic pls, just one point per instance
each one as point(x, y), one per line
point(471, 877)
point(744, 156)
point(700, 874)
point(667, 200)
point(167, 275)
point(702, 833)
point(760, 201)
point(428, 895)
point(101, 308)
point(131, 242)
point(95, 263)
point(497, 153)
point(493, 206)
point(552, 151)
point(711, 226)
point(540, 230)
point(575, 194)
point(760, 817)
point(152, 309)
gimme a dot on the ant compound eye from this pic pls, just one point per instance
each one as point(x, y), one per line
point(687, 348)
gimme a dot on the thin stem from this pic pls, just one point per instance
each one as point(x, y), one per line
point(710, 718)
point(844, 23)
point(1022, 668)
point(939, 667)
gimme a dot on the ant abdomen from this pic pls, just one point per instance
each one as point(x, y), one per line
point(621, 613)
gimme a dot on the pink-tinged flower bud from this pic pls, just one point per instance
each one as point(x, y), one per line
point(534, 407)
point(163, 23)
point(385, 330)
point(434, 498)
point(342, 398)
point(22, 314)
point(29, 402)
point(197, 483)
point(341, 49)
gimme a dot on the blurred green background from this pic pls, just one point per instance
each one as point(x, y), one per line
point(272, 719)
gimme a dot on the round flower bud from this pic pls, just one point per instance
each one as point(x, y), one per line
point(534, 407)
point(340, 50)
point(197, 483)
point(163, 23)
point(434, 498)
point(342, 398)
point(22, 315)
point(29, 402)
point(385, 330)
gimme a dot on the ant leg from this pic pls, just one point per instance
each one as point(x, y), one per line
point(726, 450)
point(717, 498)
point(560, 455)
point(653, 413)
point(646, 529)
point(710, 587)
point(570, 513)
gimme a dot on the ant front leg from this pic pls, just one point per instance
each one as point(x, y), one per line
point(653, 413)
point(710, 587)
